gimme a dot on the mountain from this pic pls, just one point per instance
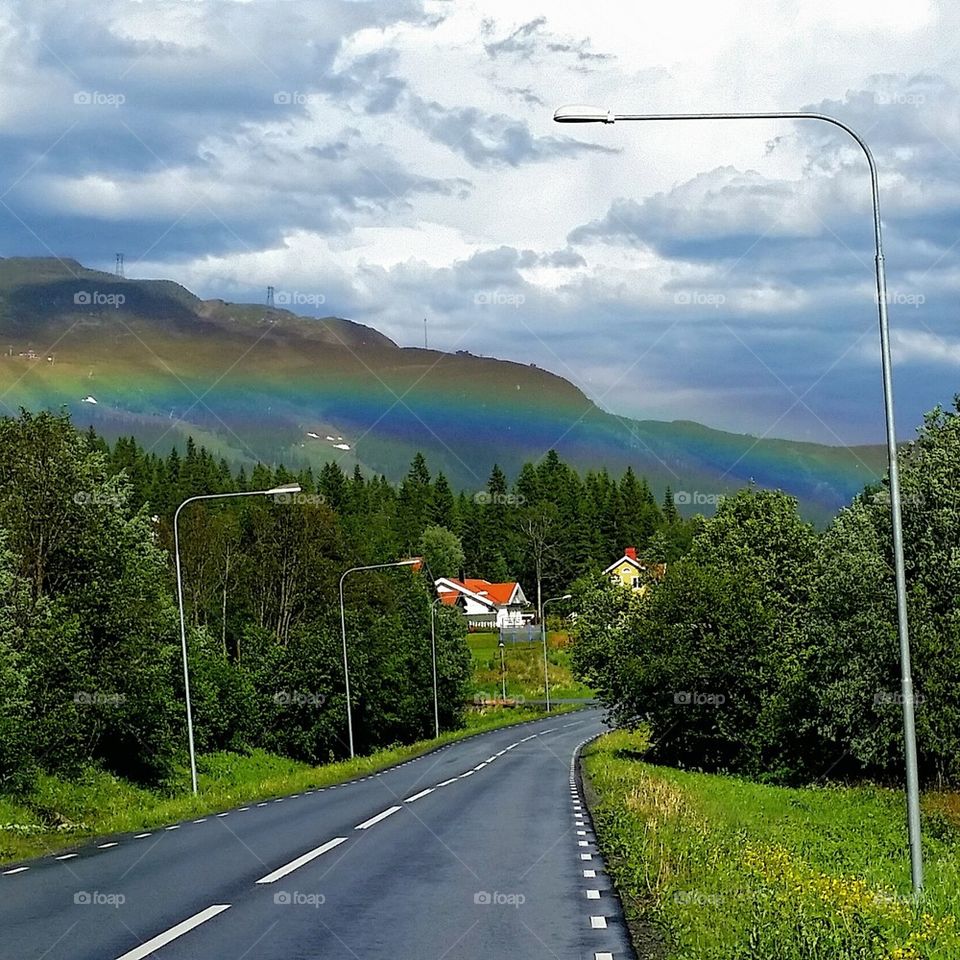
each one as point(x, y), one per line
point(149, 358)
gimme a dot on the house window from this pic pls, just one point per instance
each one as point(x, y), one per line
point(636, 582)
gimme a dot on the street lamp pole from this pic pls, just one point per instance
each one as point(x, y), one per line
point(275, 491)
point(503, 673)
point(543, 634)
point(589, 114)
point(433, 651)
point(343, 628)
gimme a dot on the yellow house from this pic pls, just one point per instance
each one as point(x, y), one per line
point(633, 573)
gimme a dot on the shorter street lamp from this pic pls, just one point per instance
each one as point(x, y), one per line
point(413, 561)
point(433, 651)
point(503, 672)
point(543, 633)
point(274, 491)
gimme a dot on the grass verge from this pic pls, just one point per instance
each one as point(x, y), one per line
point(61, 814)
point(524, 668)
point(725, 869)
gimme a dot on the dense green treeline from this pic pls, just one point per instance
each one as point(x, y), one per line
point(90, 668)
point(771, 649)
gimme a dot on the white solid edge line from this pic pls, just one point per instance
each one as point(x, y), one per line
point(300, 861)
point(380, 816)
point(145, 949)
point(417, 796)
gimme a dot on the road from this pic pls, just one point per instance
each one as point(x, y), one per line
point(480, 849)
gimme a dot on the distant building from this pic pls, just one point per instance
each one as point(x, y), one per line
point(633, 573)
point(483, 603)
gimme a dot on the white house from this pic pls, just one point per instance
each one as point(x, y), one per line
point(483, 603)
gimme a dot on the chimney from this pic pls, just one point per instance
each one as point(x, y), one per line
point(631, 552)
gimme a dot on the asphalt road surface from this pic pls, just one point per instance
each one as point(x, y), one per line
point(482, 849)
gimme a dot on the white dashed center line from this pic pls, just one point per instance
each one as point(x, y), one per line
point(151, 946)
point(300, 861)
point(380, 816)
point(417, 796)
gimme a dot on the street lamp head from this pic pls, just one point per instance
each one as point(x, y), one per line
point(583, 113)
point(286, 488)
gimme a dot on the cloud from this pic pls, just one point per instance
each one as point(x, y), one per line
point(532, 41)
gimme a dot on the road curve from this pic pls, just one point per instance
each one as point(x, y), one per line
point(480, 849)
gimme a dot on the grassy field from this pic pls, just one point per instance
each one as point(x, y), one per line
point(524, 668)
point(61, 813)
point(717, 868)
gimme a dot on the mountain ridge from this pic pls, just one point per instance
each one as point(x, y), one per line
point(251, 382)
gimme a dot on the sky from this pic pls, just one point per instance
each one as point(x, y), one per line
point(394, 160)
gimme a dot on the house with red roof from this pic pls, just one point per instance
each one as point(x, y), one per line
point(483, 603)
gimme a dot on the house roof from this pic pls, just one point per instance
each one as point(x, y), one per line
point(489, 594)
point(655, 570)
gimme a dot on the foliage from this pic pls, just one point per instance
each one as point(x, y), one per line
point(718, 868)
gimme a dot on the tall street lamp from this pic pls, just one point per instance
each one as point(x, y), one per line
point(589, 114)
point(543, 633)
point(413, 561)
point(275, 491)
point(433, 652)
